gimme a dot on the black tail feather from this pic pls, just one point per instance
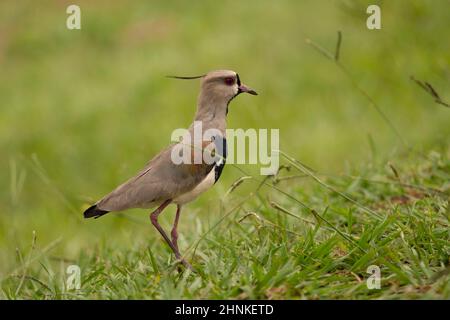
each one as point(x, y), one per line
point(94, 212)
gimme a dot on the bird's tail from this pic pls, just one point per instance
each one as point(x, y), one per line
point(94, 212)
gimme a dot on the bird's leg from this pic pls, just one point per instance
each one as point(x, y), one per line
point(154, 219)
point(174, 235)
point(174, 232)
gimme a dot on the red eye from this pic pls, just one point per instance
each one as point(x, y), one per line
point(229, 81)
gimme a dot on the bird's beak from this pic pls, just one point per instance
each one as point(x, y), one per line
point(244, 88)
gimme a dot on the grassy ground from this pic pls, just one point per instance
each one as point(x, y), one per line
point(267, 245)
point(81, 111)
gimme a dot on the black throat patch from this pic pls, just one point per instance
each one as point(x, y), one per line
point(238, 81)
point(221, 150)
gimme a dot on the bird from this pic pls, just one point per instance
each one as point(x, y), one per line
point(163, 181)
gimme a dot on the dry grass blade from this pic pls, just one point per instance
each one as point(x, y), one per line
point(319, 217)
point(33, 245)
point(427, 87)
point(334, 58)
point(236, 184)
point(338, 46)
point(221, 219)
point(303, 205)
point(429, 190)
point(297, 164)
point(264, 221)
point(319, 48)
point(277, 206)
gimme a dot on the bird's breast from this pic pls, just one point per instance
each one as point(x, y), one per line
point(212, 176)
point(204, 185)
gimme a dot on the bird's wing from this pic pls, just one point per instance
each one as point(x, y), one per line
point(160, 180)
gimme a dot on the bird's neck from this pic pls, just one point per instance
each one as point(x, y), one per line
point(212, 113)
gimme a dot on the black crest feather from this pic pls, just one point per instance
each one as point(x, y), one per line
point(186, 78)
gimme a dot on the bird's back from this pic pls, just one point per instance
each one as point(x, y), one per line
point(160, 180)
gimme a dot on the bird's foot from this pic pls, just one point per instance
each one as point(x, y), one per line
point(186, 264)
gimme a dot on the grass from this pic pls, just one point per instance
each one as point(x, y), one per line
point(265, 245)
point(83, 110)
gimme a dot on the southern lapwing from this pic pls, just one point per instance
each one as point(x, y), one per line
point(164, 181)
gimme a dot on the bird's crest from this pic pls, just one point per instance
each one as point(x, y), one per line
point(186, 78)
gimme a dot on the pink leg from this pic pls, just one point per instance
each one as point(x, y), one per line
point(174, 235)
point(174, 232)
point(154, 218)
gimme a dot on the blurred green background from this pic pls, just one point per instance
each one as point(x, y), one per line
point(82, 110)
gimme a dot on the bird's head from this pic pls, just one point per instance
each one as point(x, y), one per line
point(223, 86)
point(218, 88)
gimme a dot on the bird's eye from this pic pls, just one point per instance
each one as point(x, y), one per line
point(229, 81)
